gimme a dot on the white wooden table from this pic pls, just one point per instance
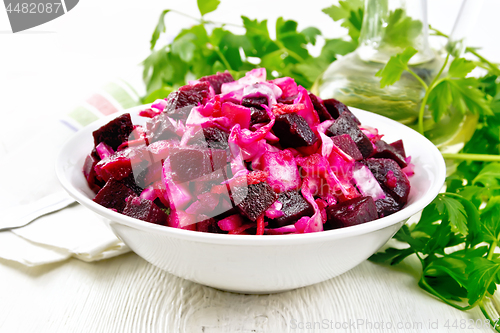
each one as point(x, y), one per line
point(47, 71)
point(127, 294)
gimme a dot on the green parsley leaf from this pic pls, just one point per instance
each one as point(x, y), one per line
point(456, 212)
point(489, 176)
point(258, 36)
point(335, 47)
point(184, 47)
point(391, 73)
point(311, 33)
point(160, 27)
point(483, 277)
point(446, 276)
point(162, 68)
point(460, 67)
point(350, 12)
point(401, 30)
point(490, 217)
point(440, 99)
point(293, 41)
point(405, 235)
point(467, 96)
point(207, 6)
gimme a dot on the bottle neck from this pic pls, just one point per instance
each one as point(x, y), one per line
point(390, 26)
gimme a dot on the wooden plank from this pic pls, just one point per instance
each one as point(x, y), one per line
point(127, 294)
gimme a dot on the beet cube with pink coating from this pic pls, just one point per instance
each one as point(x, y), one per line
point(390, 177)
point(385, 150)
point(320, 108)
point(398, 145)
point(254, 199)
point(348, 146)
point(180, 102)
point(217, 80)
point(294, 207)
point(293, 131)
point(114, 193)
point(351, 212)
point(115, 132)
point(345, 125)
point(337, 108)
point(145, 210)
point(189, 164)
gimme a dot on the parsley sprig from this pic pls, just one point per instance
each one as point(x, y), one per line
point(454, 89)
point(208, 47)
point(457, 237)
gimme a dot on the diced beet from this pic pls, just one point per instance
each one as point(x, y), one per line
point(381, 168)
point(337, 108)
point(115, 132)
point(94, 182)
point(216, 138)
point(189, 164)
point(121, 164)
point(160, 128)
point(294, 207)
point(387, 206)
point(293, 131)
point(385, 150)
point(345, 125)
point(217, 80)
point(320, 108)
point(180, 102)
point(254, 199)
point(348, 146)
point(254, 102)
point(207, 224)
point(145, 210)
point(400, 148)
point(113, 194)
point(210, 137)
point(351, 212)
point(131, 183)
point(258, 116)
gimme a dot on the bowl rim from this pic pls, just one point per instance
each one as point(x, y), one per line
point(245, 240)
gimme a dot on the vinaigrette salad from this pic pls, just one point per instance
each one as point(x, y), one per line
point(248, 156)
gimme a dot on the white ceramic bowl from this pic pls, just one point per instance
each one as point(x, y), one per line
point(260, 264)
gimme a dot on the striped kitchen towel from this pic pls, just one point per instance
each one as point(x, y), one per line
point(113, 97)
point(74, 231)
